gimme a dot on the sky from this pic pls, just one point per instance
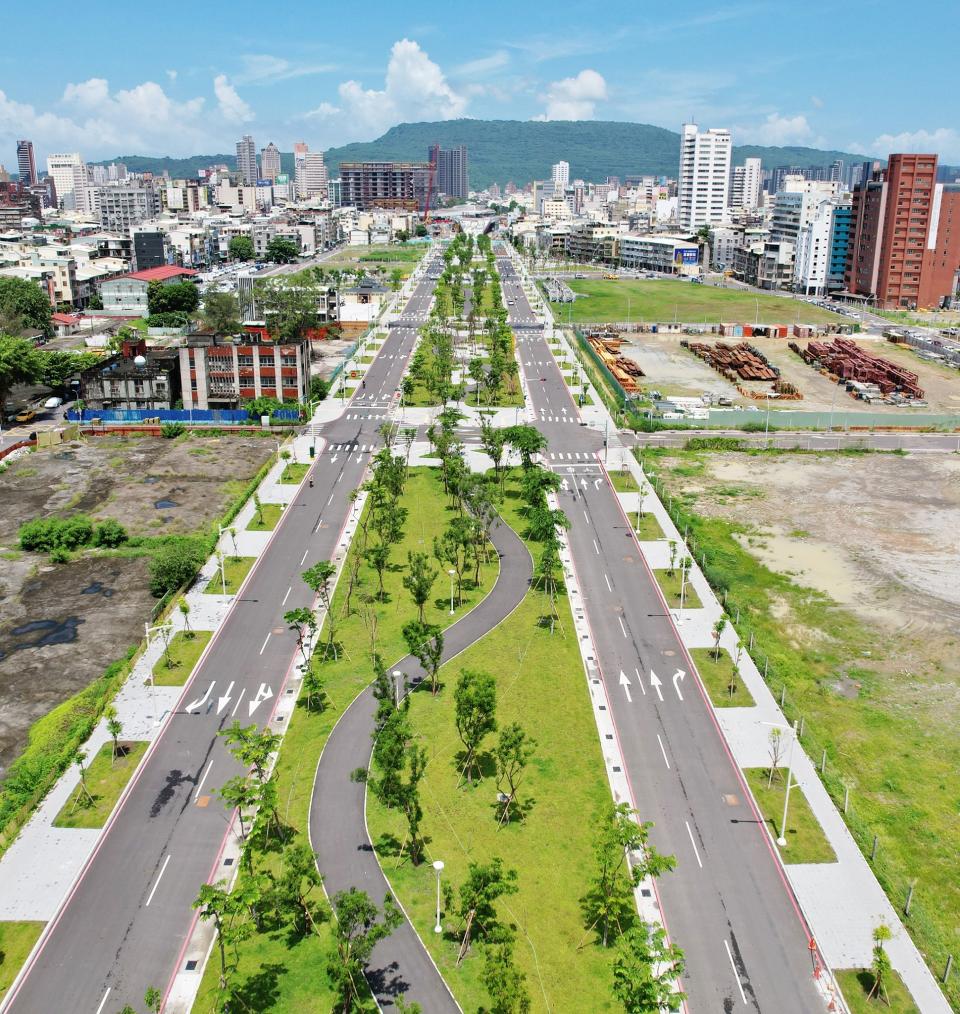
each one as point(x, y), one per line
point(181, 80)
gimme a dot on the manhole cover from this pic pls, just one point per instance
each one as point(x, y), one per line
point(279, 630)
point(731, 800)
point(669, 652)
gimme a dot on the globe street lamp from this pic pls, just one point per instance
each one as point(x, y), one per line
point(451, 572)
point(438, 866)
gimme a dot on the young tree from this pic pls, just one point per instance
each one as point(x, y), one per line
point(153, 999)
point(251, 746)
point(213, 902)
point(359, 927)
point(672, 546)
point(296, 886)
point(718, 628)
point(880, 966)
point(184, 606)
point(114, 728)
point(240, 248)
point(314, 688)
point(240, 794)
point(419, 580)
point(319, 578)
point(732, 684)
point(378, 556)
point(775, 740)
point(546, 574)
point(425, 643)
point(645, 971)
point(79, 758)
point(527, 441)
point(514, 750)
point(609, 902)
point(475, 701)
point(504, 982)
point(303, 623)
point(493, 441)
point(258, 507)
point(485, 883)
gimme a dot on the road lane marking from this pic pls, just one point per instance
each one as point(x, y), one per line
point(622, 627)
point(330, 498)
point(236, 706)
point(662, 750)
point(199, 703)
point(285, 597)
point(678, 675)
point(596, 549)
point(203, 778)
point(625, 683)
point(103, 1002)
point(586, 518)
point(696, 851)
point(640, 682)
point(156, 883)
point(267, 638)
point(655, 683)
point(302, 558)
point(224, 699)
point(736, 975)
point(609, 589)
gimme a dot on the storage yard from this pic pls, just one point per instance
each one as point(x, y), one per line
point(864, 374)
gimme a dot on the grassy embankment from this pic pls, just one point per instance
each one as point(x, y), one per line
point(900, 768)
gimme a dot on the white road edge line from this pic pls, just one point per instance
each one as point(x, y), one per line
point(696, 851)
point(662, 750)
point(596, 547)
point(743, 996)
point(267, 638)
point(285, 597)
point(196, 791)
point(103, 1002)
point(156, 883)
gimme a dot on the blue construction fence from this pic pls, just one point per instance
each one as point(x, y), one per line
point(195, 417)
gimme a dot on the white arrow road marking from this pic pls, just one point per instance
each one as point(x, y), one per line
point(223, 701)
point(583, 483)
point(596, 483)
point(199, 703)
point(334, 458)
point(656, 684)
point(263, 694)
point(640, 682)
point(678, 676)
point(625, 683)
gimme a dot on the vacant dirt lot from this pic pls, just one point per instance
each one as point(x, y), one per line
point(671, 369)
point(61, 625)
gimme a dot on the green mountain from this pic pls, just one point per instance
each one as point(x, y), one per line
point(521, 150)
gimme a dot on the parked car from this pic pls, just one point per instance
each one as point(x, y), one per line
point(27, 415)
point(53, 402)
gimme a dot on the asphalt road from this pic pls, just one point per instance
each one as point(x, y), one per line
point(338, 832)
point(728, 904)
point(127, 919)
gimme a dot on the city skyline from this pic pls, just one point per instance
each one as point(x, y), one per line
point(211, 90)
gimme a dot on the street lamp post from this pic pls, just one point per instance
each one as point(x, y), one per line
point(397, 683)
point(683, 587)
point(438, 866)
point(451, 572)
point(782, 840)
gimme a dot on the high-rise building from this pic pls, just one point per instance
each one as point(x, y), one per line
point(122, 205)
point(816, 243)
point(836, 171)
point(61, 169)
point(745, 187)
point(247, 160)
point(26, 165)
point(451, 177)
point(314, 176)
point(905, 246)
point(560, 174)
point(384, 184)
point(703, 184)
point(270, 162)
point(300, 150)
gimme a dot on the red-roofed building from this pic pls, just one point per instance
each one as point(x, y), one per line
point(126, 295)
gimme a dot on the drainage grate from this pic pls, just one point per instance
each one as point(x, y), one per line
point(191, 965)
point(608, 736)
point(228, 861)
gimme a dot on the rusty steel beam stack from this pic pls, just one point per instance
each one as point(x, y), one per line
point(847, 361)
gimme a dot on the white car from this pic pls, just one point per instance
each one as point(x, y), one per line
point(53, 403)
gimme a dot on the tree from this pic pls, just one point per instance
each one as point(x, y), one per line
point(425, 643)
point(251, 746)
point(718, 628)
point(240, 248)
point(114, 728)
point(289, 307)
point(775, 740)
point(241, 794)
point(79, 759)
point(303, 623)
point(485, 883)
point(153, 999)
point(294, 889)
point(174, 564)
point(378, 556)
point(547, 572)
point(514, 749)
point(282, 250)
point(213, 902)
point(221, 311)
point(163, 298)
point(645, 971)
point(493, 441)
point(314, 688)
point(396, 279)
point(419, 580)
point(672, 547)
point(505, 983)
point(880, 966)
point(57, 367)
point(475, 702)
point(609, 902)
point(527, 441)
point(184, 606)
point(24, 307)
point(20, 363)
point(95, 302)
point(359, 927)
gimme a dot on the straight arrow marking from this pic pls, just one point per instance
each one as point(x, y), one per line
point(625, 683)
point(263, 694)
point(656, 684)
point(223, 701)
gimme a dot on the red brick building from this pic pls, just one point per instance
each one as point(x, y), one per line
point(905, 238)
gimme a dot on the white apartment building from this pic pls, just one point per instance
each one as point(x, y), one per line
point(312, 179)
point(247, 160)
point(813, 249)
point(660, 253)
point(703, 186)
point(747, 180)
point(560, 174)
point(61, 168)
point(270, 162)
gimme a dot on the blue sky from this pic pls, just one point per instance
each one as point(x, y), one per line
point(183, 80)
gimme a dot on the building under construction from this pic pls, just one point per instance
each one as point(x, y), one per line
point(392, 185)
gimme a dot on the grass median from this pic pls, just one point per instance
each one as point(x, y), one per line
point(806, 842)
point(266, 518)
point(227, 582)
point(670, 586)
point(856, 984)
point(717, 674)
point(106, 777)
point(293, 474)
point(16, 942)
point(175, 665)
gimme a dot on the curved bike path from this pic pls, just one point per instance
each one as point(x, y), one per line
point(400, 964)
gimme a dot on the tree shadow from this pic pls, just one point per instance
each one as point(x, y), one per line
point(259, 991)
point(622, 916)
point(388, 844)
point(520, 809)
point(484, 767)
point(387, 981)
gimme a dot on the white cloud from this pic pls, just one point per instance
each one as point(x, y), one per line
point(483, 65)
point(575, 98)
point(232, 107)
point(777, 130)
point(415, 88)
point(172, 74)
point(262, 68)
point(943, 141)
point(816, 102)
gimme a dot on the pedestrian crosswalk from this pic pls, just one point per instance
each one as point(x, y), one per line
point(572, 456)
point(366, 415)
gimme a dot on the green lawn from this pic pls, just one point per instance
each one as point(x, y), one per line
point(892, 743)
point(540, 683)
point(623, 482)
point(670, 586)
point(270, 514)
point(715, 674)
point(16, 942)
point(106, 779)
point(649, 530)
point(235, 569)
point(856, 983)
point(606, 300)
point(183, 654)
point(293, 475)
point(295, 970)
point(806, 842)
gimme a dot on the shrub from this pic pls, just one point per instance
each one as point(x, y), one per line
point(46, 534)
point(172, 430)
point(75, 532)
point(59, 555)
point(36, 536)
point(109, 534)
point(714, 444)
point(172, 318)
point(175, 564)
